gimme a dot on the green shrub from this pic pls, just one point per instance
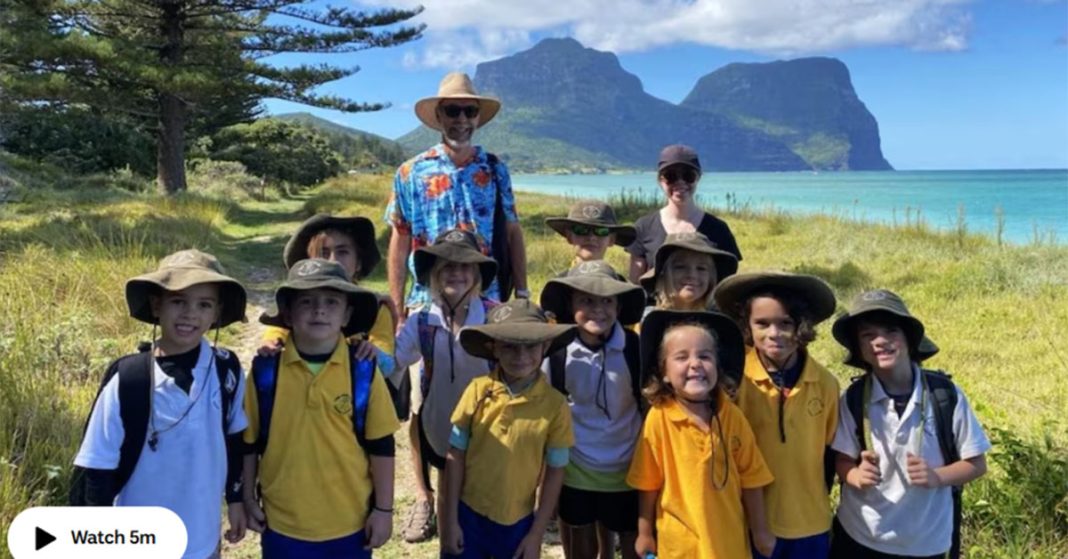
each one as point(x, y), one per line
point(278, 151)
point(228, 180)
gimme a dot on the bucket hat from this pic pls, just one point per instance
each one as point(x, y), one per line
point(732, 292)
point(519, 322)
point(731, 349)
point(678, 154)
point(598, 278)
point(593, 213)
point(456, 85)
point(316, 273)
point(879, 301)
point(181, 270)
point(361, 229)
point(725, 262)
point(455, 245)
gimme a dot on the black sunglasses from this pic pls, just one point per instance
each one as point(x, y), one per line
point(583, 230)
point(453, 111)
point(688, 176)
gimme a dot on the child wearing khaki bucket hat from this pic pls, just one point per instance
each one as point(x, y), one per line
point(591, 227)
point(506, 427)
point(166, 447)
point(790, 400)
point(907, 439)
point(685, 271)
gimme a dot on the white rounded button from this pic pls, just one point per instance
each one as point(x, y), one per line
point(91, 532)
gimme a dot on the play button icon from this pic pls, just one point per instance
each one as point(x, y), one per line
point(43, 538)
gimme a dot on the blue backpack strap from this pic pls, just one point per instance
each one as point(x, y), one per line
point(361, 374)
point(265, 382)
point(426, 349)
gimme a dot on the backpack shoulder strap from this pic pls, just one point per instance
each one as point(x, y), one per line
point(487, 304)
point(361, 374)
point(228, 371)
point(632, 355)
point(944, 394)
point(135, 406)
point(855, 404)
point(426, 349)
point(265, 381)
point(557, 370)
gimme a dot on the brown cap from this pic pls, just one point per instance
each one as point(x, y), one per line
point(678, 154)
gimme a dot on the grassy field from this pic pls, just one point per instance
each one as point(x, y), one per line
point(999, 313)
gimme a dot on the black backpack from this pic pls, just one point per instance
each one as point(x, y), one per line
point(631, 354)
point(500, 251)
point(135, 373)
point(944, 394)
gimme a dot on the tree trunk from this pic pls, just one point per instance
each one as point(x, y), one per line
point(170, 153)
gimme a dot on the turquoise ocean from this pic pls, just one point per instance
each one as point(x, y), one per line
point(1033, 204)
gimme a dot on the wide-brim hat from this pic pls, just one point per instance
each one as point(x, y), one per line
point(731, 348)
point(361, 229)
point(456, 245)
point(519, 322)
point(593, 213)
point(456, 85)
point(598, 278)
point(878, 301)
point(731, 293)
point(725, 262)
point(316, 273)
point(182, 270)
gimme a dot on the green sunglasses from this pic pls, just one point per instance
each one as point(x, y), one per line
point(583, 230)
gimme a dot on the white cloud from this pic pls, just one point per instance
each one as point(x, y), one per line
point(461, 33)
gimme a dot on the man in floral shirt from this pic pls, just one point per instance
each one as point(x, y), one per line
point(451, 185)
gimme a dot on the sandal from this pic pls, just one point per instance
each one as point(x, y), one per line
point(421, 523)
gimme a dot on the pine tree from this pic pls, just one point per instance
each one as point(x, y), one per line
point(179, 63)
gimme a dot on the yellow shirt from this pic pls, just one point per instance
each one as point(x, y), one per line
point(797, 503)
point(509, 436)
point(315, 477)
point(681, 460)
point(380, 336)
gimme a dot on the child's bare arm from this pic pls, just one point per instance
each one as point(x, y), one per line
point(552, 482)
point(452, 541)
point(256, 519)
point(646, 542)
point(379, 524)
point(753, 502)
point(957, 473)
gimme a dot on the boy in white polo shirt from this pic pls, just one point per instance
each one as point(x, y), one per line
point(899, 487)
point(186, 447)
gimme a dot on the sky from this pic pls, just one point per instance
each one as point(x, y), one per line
point(953, 84)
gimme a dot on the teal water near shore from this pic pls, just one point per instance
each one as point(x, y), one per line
point(1033, 205)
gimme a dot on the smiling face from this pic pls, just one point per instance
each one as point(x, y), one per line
point(595, 315)
point(590, 246)
point(457, 130)
point(316, 317)
point(688, 362)
point(453, 280)
point(882, 344)
point(519, 361)
point(690, 277)
point(184, 316)
point(773, 331)
point(679, 183)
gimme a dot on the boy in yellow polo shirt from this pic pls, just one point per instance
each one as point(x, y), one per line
point(697, 467)
point(790, 400)
point(506, 426)
point(326, 490)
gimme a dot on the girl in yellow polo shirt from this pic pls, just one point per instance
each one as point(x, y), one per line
point(790, 400)
point(697, 466)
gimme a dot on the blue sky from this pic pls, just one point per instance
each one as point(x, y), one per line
point(954, 84)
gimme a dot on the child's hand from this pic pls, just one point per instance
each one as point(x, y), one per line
point(866, 474)
point(921, 474)
point(529, 548)
point(644, 545)
point(270, 348)
point(363, 349)
point(452, 541)
point(254, 516)
point(377, 529)
point(235, 513)
point(764, 542)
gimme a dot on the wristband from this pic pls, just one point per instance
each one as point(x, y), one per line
point(380, 509)
point(522, 293)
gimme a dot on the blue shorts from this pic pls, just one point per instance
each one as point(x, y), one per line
point(277, 546)
point(811, 547)
point(484, 538)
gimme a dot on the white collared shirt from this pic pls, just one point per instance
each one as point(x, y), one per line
point(604, 416)
point(894, 517)
point(449, 379)
point(187, 471)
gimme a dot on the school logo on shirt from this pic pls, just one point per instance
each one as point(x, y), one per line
point(343, 404)
point(814, 407)
point(736, 443)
